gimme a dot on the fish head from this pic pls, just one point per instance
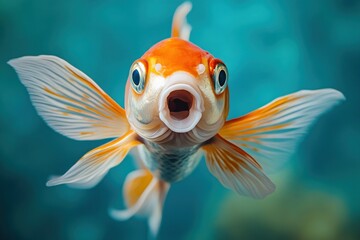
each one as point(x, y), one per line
point(176, 86)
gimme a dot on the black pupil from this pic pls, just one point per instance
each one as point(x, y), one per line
point(222, 78)
point(136, 77)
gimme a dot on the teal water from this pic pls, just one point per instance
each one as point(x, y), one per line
point(271, 48)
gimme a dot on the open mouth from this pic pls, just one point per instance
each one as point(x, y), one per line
point(179, 103)
point(180, 107)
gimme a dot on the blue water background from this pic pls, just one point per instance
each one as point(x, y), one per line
point(271, 48)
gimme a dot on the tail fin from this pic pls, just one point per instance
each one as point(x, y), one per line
point(144, 196)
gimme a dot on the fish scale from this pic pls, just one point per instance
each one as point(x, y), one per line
point(170, 165)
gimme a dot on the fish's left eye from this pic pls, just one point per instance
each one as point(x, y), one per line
point(137, 75)
point(219, 75)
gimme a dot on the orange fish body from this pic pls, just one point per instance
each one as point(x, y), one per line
point(176, 106)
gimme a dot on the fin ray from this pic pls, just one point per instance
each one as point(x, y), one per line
point(180, 27)
point(144, 196)
point(236, 169)
point(93, 166)
point(68, 100)
point(271, 133)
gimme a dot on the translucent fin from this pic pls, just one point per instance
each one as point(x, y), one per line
point(180, 27)
point(144, 196)
point(93, 166)
point(236, 169)
point(138, 154)
point(271, 133)
point(68, 100)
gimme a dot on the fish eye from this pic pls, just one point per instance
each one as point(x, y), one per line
point(219, 75)
point(137, 75)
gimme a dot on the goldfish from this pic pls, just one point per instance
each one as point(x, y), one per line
point(176, 108)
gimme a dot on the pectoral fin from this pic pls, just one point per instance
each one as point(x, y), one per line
point(261, 140)
point(68, 100)
point(236, 169)
point(93, 166)
point(271, 133)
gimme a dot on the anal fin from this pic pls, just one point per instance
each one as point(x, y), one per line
point(144, 195)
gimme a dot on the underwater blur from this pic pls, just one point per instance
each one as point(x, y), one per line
point(271, 48)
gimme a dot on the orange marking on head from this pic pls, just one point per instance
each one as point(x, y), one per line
point(175, 54)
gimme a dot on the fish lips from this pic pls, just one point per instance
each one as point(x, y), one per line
point(180, 106)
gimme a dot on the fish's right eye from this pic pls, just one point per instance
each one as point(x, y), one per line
point(137, 75)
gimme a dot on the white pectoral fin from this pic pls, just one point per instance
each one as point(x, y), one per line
point(236, 169)
point(68, 100)
point(270, 133)
point(93, 166)
point(180, 27)
point(144, 196)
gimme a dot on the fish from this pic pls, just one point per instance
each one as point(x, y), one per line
point(175, 115)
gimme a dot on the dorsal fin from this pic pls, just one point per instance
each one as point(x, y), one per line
point(180, 27)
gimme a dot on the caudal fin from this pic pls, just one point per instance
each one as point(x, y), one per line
point(144, 195)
